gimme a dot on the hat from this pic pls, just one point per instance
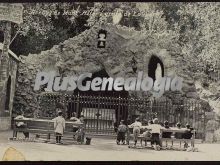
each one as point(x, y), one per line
point(60, 112)
point(122, 121)
point(187, 125)
point(166, 123)
point(178, 124)
point(155, 121)
point(150, 121)
point(137, 119)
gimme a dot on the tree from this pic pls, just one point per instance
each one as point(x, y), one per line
point(47, 24)
point(199, 35)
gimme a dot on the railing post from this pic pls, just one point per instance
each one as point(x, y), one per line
point(166, 112)
point(204, 126)
point(77, 105)
point(48, 128)
point(98, 114)
point(118, 121)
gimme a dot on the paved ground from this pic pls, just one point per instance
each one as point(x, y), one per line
point(104, 150)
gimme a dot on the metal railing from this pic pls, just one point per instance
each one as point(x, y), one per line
point(102, 114)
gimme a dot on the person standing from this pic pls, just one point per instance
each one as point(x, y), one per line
point(122, 129)
point(80, 133)
point(178, 135)
point(136, 129)
point(59, 127)
point(155, 131)
point(187, 134)
point(166, 134)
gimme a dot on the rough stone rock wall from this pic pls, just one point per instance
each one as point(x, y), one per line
point(80, 54)
point(10, 72)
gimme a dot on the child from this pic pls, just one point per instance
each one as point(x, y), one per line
point(136, 129)
point(59, 126)
point(166, 134)
point(81, 118)
point(178, 135)
point(187, 135)
point(21, 124)
point(128, 133)
point(80, 134)
point(146, 136)
point(150, 122)
point(122, 129)
point(155, 131)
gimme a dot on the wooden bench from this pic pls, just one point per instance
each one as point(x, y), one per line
point(181, 140)
point(45, 127)
point(166, 140)
point(140, 137)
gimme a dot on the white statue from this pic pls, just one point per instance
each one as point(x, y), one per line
point(158, 72)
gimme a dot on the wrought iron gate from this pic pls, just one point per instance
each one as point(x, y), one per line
point(103, 114)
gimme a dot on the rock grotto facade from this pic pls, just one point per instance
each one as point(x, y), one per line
point(80, 54)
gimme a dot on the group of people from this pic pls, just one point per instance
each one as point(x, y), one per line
point(152, 133)
point(59, 126)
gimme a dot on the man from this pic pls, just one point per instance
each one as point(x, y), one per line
point(59, 126)
point(21, 124)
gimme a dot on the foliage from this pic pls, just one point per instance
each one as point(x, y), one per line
point(190, 29)
point(199, 35)
point(47, 24)
point(212, 125)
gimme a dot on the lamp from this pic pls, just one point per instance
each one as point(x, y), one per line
point(134, 64)
point(61, 47)
point(102, 38)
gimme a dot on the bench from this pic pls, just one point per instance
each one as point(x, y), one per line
point(45, 127)
point(166, 140)
point(181, 140)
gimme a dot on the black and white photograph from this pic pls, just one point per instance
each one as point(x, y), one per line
point(110, 81)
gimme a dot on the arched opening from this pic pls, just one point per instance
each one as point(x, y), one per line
point(8, 94)
point(100, 108)
point(153, 67)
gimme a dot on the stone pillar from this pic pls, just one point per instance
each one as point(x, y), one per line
point(211, 127)
point(4, 69)
point(4, 61)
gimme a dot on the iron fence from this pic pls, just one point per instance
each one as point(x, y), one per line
point(102, 114)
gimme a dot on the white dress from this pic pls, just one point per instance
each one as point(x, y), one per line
point(59, 124)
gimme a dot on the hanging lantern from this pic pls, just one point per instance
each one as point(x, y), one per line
point(61, 47)
point(134, 65)
point(102, 38)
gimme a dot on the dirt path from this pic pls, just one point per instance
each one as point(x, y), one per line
point(103, 149)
